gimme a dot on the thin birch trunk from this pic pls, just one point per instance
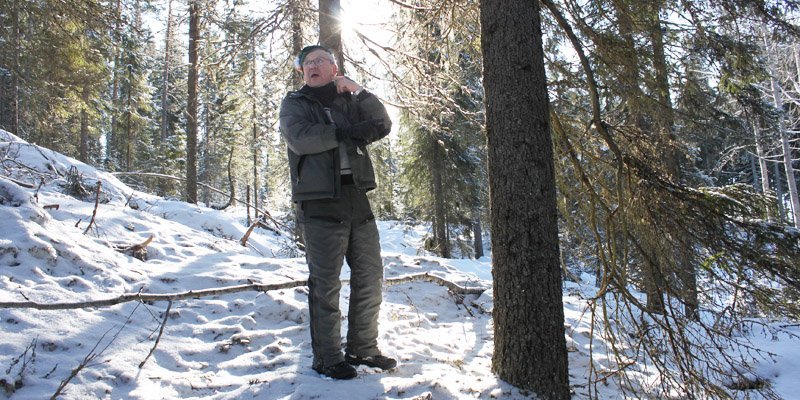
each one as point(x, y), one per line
point(778, 191)
point(777, 96)
point(762, 166)
point(762, 160)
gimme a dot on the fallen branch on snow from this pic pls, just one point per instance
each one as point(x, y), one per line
point(428, 277)
point(196, 294)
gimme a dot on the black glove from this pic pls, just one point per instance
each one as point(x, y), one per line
point(366, 131)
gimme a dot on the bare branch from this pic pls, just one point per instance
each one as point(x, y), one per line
point(96, 203)
point(196, 294)
point(158, 338)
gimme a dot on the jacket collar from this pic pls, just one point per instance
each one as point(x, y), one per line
point(308, 92)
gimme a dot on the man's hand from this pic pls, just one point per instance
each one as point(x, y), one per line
point(366, 131)
point(345, 84)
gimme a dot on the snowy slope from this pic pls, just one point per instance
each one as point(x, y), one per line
point(241, 345)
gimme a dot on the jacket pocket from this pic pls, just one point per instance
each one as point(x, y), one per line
point(298, 168)
point(315, 175)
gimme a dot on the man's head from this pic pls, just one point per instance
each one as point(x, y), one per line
point(318, 65)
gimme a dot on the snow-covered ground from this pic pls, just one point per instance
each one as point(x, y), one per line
point(241, 345)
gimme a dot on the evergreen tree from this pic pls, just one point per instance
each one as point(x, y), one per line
point(530, 349)
point(54, 71)
point(442, 132)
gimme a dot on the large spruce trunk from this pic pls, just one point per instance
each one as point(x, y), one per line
point(530, 349)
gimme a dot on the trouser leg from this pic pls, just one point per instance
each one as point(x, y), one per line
point(366, 277)
point(326, 235)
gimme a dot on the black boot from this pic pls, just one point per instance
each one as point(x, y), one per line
point(379, 361)
point(342, 370)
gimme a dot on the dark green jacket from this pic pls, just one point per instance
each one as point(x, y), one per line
point(312, 145)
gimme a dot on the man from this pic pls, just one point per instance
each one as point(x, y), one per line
point(327, 125)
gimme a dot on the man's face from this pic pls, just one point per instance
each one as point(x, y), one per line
point(318, 68)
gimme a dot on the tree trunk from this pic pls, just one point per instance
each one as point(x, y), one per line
point(330, 32)
point(791, 183)
point(530, 349)
point(763, 169)
point(209, 154)
point(111, 137)
point(165, 133)
point(672, 159)
point(130, 143)
point(628, 59)
point(83, 147)
point(231, 180)
point(779, 191)
point(15, 129)
point(762, 160)
point(296, 14)
point(477, 234)
point(254, 122)
point(165, 84)
point(191, 109)
point(441, 240)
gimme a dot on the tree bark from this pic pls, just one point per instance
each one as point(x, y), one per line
point(330, 31)
point(477, 234)
point(191, 109)
point(530, 349)
point(296, 15)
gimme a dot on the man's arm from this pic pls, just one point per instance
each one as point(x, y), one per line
point(302, 135)
point(369, 106)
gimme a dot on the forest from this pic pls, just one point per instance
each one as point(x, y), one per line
point(675, 131)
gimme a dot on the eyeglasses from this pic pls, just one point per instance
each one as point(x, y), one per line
point(316, 62)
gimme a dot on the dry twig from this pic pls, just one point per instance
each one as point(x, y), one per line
point(96, 203)
point(158, 338)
